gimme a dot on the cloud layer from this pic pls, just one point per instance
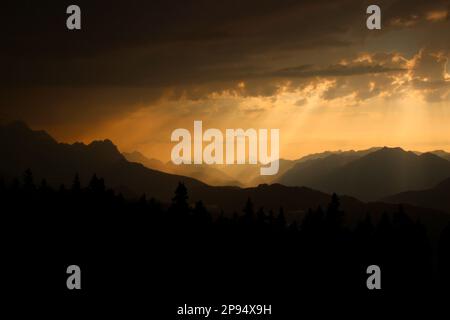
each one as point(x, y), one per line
point(182, 59)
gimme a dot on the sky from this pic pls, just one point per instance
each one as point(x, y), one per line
point(137, 70)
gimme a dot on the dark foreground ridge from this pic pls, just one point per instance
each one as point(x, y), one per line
point(143, 252)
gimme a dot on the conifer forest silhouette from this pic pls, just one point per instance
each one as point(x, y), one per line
point(181, 250)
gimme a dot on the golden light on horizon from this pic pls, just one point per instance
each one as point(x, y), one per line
point(438, 15)
point(314, 126)
point(366, 100)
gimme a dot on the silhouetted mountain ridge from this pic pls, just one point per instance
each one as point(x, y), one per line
point(150, 163)
point(371, 176)
point(437, 198)
point(58, 163)
point(206, 173)
point(21, 133)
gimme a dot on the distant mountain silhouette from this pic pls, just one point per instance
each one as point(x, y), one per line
point(23, 148)
point(369, 175)
point(443, 154)
point(286, 165)
point(138, 157)
point(437, 197)
point(215, 175)
point(246, 175)
point(249, 175)
point(316, 169)
point(321, 155)
point(205, 173)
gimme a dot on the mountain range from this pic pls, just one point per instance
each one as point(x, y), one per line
point(247, 175)
point(23, 148)
point(437, 197)
point(205, 173)
point(370, 175)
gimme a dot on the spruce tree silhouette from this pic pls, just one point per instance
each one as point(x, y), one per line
point(143, 200)
point(281, 219)
point(44, 191)
point(97, 185)
point(28, 181)
point(334, 215)
point(271, 217)
point(201, 216)
point(248, 216)
point(179, 209)
point(44, 185)
point(76, 185)
point(261, 219)
point(180, 200)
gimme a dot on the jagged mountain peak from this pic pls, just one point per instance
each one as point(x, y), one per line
point(20, 130)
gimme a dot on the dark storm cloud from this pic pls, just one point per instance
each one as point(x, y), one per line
point(412, 11)
point(129, 52)
point(160, 42)
point(333, 71)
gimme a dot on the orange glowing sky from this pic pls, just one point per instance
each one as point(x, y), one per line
point(310, 69)
point(396, 112)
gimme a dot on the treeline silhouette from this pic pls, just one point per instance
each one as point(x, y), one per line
point(180, 250)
